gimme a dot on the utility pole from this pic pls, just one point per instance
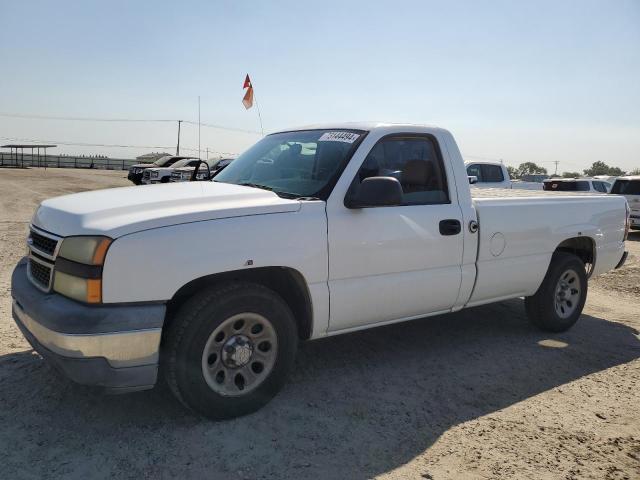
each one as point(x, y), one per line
point(178, 147)
point(556, 170)
point(199, 128)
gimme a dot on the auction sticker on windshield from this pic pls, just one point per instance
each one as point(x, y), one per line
point(347, 137)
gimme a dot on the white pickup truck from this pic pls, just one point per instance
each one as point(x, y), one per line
point(318, 231)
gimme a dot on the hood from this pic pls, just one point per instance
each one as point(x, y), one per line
point(143, 165)
point(160, 169)
point(119, 211)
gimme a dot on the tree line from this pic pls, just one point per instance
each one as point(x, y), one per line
point(597, 168)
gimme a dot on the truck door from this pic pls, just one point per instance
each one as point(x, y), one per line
point(396, 262)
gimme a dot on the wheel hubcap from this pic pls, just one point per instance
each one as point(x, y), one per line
point(239, 354)
point(567, 294)
point(237, 351)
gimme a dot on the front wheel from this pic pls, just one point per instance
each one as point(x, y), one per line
point(229, 349)
point(559, 301)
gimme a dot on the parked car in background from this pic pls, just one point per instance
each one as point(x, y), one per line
point(489, 174)
point(606, 178)
point(576, 185)
point(629, 186)
point(136, 171)
point(523, 185)
point(163, 174)
point(184, 174)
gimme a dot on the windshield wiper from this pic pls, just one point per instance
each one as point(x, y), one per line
point(280, 193)
point(257, 185)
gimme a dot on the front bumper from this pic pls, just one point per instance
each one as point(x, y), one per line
point(135, 177)
point(111, 346)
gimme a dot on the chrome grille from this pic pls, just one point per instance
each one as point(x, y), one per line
point(43, 244)
point(40, 273)
point(43, 249)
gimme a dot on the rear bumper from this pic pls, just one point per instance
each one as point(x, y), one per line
point(115, 347)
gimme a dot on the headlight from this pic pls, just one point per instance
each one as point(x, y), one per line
point(87, 290)
point(78, 268)
point(87, 250)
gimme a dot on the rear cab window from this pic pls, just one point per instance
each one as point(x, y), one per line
point(626, 187)
point(486, 173)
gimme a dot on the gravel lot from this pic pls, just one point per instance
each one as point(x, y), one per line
point(477, 394)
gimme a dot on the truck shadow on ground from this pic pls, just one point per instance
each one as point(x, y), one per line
point(357, 405)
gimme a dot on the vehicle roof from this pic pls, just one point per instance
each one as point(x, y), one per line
point(366, 126)
point(573, 180)
point(484, 162)
point(628, 177)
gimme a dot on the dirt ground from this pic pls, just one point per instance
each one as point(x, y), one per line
point(476, 394)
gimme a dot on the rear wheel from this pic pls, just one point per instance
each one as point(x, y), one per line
point(559, 301)
point(229, 350)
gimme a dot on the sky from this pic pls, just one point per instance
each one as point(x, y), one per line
point(538, 81)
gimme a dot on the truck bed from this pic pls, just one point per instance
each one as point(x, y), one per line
point(520, 229)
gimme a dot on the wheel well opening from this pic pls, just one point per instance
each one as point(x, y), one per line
point(286, 282)
point(581, 247)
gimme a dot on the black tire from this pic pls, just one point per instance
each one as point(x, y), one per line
point(193, 326)
point(165, 179)
point(541, 307)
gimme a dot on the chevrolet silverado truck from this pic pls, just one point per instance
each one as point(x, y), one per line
point(163, 174)
point(136, 171)
point(318, 231)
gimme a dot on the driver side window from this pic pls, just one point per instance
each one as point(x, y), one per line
point(412, 160)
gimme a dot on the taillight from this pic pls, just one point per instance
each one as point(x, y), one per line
point(627, 221)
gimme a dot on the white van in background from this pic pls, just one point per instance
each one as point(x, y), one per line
point(489, 174)
point(629, 187)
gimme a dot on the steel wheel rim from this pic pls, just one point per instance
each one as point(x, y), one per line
point(567, 294)
point(239, 354)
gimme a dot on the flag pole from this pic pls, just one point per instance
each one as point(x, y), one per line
point(199, 155)
point(258, 110)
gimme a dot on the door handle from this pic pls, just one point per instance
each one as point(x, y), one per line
point(450, 226)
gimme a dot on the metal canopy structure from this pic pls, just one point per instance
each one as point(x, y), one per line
point(14, 147)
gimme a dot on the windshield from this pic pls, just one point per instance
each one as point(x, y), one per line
point(560, 186)
point(162, 161)
point(182, 163)
point(301, 163)
point(626, 187)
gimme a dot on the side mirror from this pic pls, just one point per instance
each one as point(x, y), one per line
point(472, 179)
point(376, 192)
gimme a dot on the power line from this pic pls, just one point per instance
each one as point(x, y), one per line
point(231, 129)
point(130, 120)
point(82, 119)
